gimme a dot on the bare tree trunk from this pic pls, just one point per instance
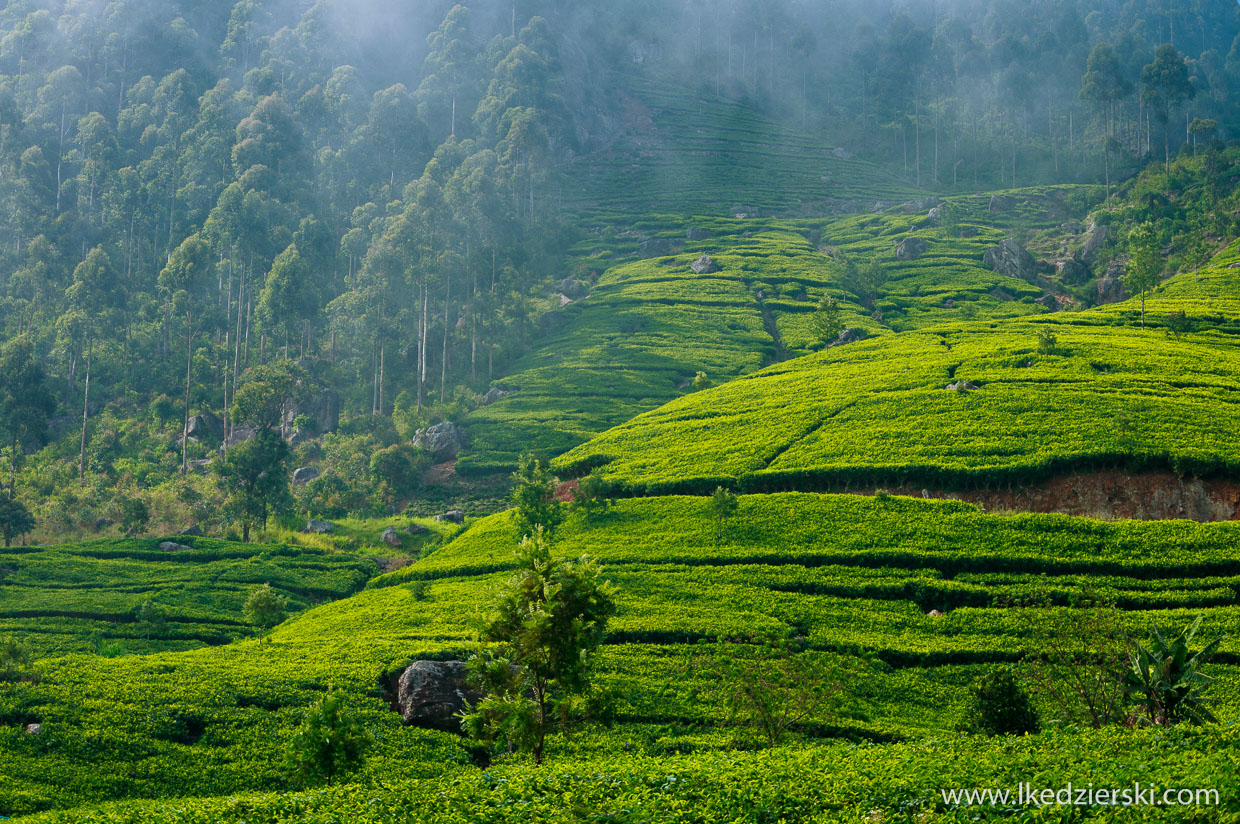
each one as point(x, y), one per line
point(90, 350)
point(382, 355)
point(189, 365)
point(443, 365)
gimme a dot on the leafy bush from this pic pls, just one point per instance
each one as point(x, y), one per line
point(999, 705)
point(330, 744)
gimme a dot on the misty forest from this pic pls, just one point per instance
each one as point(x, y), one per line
point(640, 411)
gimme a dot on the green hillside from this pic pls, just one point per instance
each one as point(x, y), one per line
point(87, 597)
point(690, 152)
point(1100, 391)
point(649, 325)
point(854, 576)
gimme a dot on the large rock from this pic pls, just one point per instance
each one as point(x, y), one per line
point(205, 425)
point(390, 537)
point(703, 266)
point(1011, 259)
point(238, 435)
point(916, 207)
point(173, 546)
point(1072, 271)
point(321, 406)
point(199, 467)
point(911, 248)
point(656, 247)
point(572, 288)
point(848, 336)
point(431, 693)
point(1001, 203)
point(443, 441)
point(452, 516)
point(962, 386)
point(320, 527)
point(1111, 285)
point(1094, 243)
point(194, 531)
point(494, 394)
point(305, 474)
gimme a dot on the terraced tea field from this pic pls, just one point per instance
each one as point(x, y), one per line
point(850, 574)
point(1104, 394)
point(650, 324)
point(87, 597)
point(688, 153)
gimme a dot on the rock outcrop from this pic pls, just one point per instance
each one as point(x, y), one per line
point(495, 394)
point(573, 288)
point(911, 248)
point(1111, 285)
point(1011, 259)
point(704, 265)
point(305, 474)
point(390, 538)
point(656, 247)
point(452, 516)
point(429, 694)
point(320, 527)
point(205, 425)
point(1072, 271)
point(443, 441)
point(1001, 203)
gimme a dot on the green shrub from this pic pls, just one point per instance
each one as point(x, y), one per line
point(999, 705)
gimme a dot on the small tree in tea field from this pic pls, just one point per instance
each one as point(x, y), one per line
point(723, 505)
point(330, 743)
point(265, 608)
point(533, 663)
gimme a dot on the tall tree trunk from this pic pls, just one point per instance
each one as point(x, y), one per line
point(17, 445)
point(90, 351)
point(443, 364)
point(189, 366)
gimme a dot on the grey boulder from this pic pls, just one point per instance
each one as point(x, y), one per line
point(305, 474)
point(443, 441)
point(704, 265)
point(911, 248)
point(1011, 259)
point(431, 693)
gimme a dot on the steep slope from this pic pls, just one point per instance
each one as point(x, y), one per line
point(88, 596)
point(649, 323)
point(1067, 392)
point(847, 573)
point(681, 152)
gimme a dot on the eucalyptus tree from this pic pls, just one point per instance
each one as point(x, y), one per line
point(183, 282)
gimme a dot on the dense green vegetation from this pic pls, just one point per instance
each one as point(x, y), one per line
point(803, 784)
point(307, 274)
point(852, 575)
point(88, 597)
point(1105, 394)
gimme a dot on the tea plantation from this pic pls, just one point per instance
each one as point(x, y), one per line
point(88, 596)
point(854, 576)
point(1063, 392)
point(649, 323)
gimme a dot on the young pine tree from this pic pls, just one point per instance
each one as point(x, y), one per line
point(534, 660)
